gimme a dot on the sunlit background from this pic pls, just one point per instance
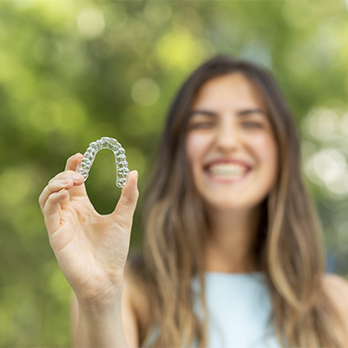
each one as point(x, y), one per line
point(74, 71)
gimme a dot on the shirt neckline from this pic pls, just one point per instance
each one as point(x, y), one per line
point(242, 274)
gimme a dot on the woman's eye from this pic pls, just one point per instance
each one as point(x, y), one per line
point(201, 125)
point(252, 124)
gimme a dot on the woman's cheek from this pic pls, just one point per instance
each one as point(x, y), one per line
point(265, 146)
point(197, 144)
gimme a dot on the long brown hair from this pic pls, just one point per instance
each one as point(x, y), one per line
point(288, 246)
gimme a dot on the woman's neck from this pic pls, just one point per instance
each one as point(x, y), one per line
point(228, 246)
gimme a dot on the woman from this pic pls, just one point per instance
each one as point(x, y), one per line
point(233, 254)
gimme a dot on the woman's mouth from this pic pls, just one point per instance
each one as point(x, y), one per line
point(226, 172)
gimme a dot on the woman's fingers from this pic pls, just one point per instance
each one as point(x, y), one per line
point(51, 209)
point(73, 162)
point(63, 180)
point(71, 165)
point(126, 205)
point(59, 191)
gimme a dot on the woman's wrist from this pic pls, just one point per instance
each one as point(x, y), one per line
point(102, 302)
point(99, 323)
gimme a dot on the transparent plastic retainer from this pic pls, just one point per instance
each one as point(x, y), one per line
point(105, 143)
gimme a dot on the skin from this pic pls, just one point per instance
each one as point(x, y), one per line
point(229, 121)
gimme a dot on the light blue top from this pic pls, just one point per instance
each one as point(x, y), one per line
point(239, 308)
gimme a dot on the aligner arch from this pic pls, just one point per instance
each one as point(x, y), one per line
point(105, 143)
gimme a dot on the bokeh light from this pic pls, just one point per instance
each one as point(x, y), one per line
point(90, 23)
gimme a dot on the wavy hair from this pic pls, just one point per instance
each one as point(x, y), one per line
point(288, 245)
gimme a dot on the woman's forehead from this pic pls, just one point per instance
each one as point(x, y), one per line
point(232, 90)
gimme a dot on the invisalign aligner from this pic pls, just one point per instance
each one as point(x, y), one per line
point(105, 143)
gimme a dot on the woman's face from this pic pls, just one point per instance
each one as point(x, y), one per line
point(230, 144)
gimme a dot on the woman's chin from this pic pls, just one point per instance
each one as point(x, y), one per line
point(228, 206)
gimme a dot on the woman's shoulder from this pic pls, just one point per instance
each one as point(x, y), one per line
point(336, 287)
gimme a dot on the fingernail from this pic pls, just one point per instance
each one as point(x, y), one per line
point(76, 177)
point(64, 182)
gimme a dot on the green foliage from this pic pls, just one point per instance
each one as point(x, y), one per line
point(74, 71)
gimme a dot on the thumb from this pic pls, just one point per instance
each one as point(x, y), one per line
point(128, 201)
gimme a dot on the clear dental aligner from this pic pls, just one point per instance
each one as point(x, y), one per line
point(105, 143)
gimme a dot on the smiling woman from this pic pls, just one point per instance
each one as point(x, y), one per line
point(233, 253)
point(228, 200)
point(230, 145)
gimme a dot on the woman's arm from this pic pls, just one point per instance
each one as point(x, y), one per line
point(110, 326)
point(91, 250)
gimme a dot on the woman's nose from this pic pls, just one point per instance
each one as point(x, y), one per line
point(227, 137)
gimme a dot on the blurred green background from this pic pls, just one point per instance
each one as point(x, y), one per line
point(74, 71)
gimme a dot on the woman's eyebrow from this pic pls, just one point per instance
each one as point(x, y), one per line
point(250, 111)
point(240, 113)
point(203, 112)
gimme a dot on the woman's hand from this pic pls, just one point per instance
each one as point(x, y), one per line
point(91, 249)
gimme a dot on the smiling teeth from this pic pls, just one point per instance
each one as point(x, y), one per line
point(227, 170)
